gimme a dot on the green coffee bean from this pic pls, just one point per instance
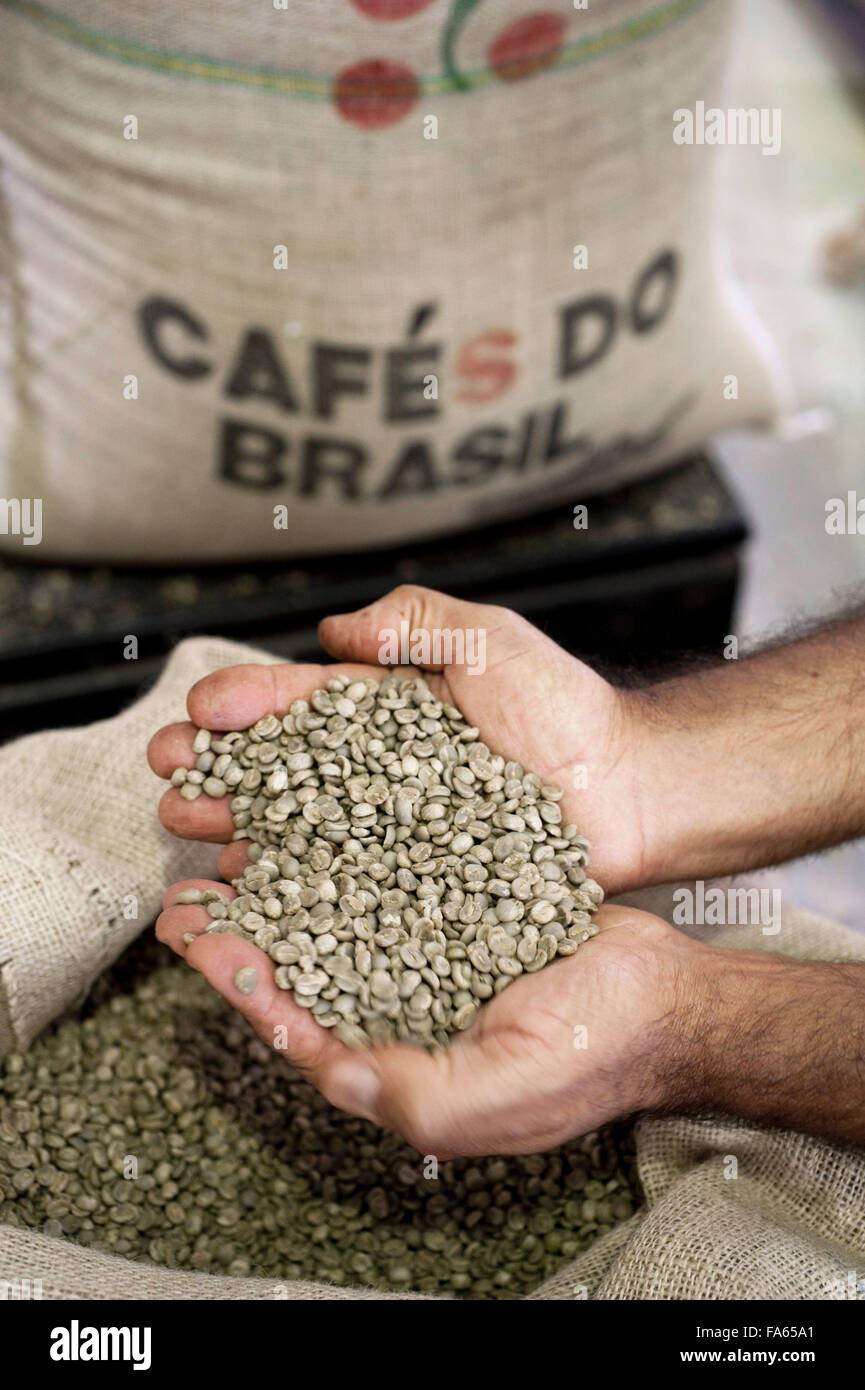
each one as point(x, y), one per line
point(387, 810)
point(190, 1143)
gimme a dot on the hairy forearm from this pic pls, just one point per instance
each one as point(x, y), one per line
point(759, 760)
point(771, 1039)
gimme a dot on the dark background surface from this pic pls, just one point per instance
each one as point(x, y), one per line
point(652, 576)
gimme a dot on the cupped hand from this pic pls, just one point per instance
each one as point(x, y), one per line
point(558, 1053)
point(521, 1079)
point(533, 703)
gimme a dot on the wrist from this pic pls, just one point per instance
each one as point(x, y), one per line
point(691, 826)
point(768, 1038)
point(673, 1062)
point(667, 803)
point(723, 999)
point(709, 992)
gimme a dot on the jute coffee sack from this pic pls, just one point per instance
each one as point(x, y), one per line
point(281, 281)
point(84, 861)
point(401, 874)
point(156, 1126)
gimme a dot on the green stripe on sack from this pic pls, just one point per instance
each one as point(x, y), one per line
point(279, 82)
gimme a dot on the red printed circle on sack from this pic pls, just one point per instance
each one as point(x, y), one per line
point(391, 9)
point(527, 45)
point(375, 93)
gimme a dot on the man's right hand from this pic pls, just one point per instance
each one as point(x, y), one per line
point(534, 704)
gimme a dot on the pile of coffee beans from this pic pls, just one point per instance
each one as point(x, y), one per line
point(155, 1125)
point(401, 874)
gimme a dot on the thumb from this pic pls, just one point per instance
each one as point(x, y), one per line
point(365, 635)
point(450, 1103)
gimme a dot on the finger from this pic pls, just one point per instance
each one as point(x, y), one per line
point(361, 636)
point(237, 696)
point(207, 818)
point(234, 859)
point(171, 747)
point(179, 919)
point(276, 1018)
point(175, 922)
point(201, 885)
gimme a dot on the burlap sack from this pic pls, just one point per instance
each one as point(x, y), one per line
point(79, 833)
point(247, 311)
point(83, 859)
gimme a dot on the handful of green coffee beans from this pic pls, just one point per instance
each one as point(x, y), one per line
point(400, 873)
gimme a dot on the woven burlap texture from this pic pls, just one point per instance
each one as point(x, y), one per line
point(80, 846)
point(80, 833)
